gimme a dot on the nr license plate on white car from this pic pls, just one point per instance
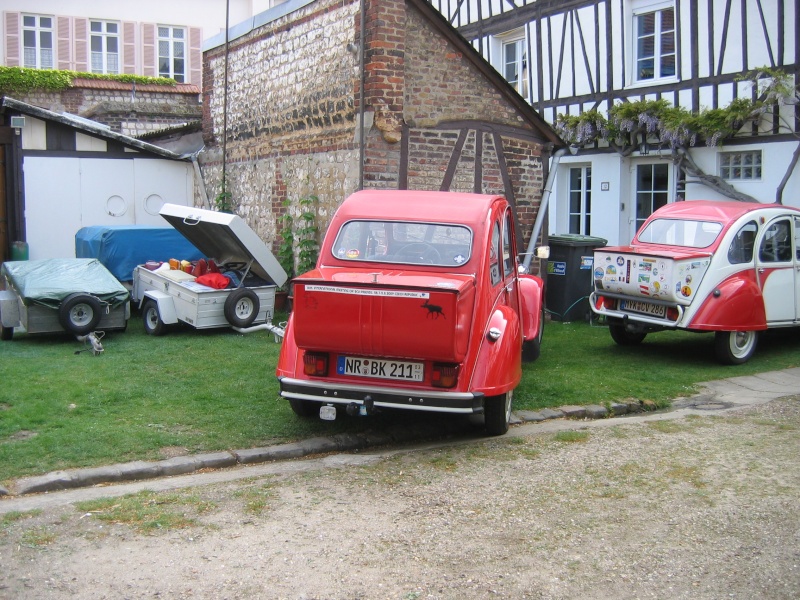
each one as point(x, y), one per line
point(657, 310)
point(382, 369)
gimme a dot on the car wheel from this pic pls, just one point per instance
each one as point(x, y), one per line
point(497, 413)
point(623, 337)
point(6, 333)
point(153, 324)
point(735, 347)
point(304, 408)
point(79, 314)
point(531, 349)
point(241, 307)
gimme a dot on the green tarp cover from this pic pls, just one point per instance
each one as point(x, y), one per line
point(49, 281)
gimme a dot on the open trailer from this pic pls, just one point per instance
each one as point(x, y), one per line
point(243, 263)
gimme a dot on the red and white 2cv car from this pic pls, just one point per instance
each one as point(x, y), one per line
point(416, 303)
point(728, 267)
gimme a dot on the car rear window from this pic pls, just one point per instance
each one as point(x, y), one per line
point(403, 242)
point(680, 232)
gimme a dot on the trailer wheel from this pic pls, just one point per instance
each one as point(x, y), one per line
point(623, 337)
point(79, 314)
point(304, 408)
point(735, 347)
point(241, 307)
point(153, 325)
point(6, 333)
point(497, 413)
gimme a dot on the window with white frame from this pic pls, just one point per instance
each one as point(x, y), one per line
point(172, 52)
point(580, 200)
point(37, 42)
point(740, 165)
point(104, 43)
point(654, 41)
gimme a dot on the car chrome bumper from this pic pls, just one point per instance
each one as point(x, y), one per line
point(634, 316)
point(387, 397)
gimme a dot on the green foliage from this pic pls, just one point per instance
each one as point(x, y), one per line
point(18, 80)
point(223, 200)
point(673, 126)
point(298, 236)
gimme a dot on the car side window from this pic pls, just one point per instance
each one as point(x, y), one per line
point(494, 255)
point(797, 237)
point(776, 245)
point(743, 244)
point(508, 256)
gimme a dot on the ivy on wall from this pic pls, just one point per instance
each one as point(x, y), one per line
point(18, 80)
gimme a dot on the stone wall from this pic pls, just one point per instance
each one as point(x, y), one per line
point(126, 108)
point(293, 106)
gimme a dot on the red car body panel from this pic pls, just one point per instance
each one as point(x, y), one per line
point(469, 313)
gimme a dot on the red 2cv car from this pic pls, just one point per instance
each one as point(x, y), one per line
point(416, 303)
point(728, 267)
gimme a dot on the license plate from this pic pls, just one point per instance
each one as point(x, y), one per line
point(381, 369)
point(657, 310)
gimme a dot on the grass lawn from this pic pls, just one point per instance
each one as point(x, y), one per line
point(216, 390)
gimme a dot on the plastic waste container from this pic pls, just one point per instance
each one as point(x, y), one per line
point(569, 276)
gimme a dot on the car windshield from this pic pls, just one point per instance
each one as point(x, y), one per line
point(403, 242)
point(679, 232)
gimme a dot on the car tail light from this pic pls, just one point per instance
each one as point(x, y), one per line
point(444, 375)
point(603, 302)
point(315, 364)
point(672, 313)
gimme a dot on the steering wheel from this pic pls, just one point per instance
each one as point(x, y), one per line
point(420, 252)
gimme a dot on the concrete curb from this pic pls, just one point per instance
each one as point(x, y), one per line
point(714, 395)
point(343, 442)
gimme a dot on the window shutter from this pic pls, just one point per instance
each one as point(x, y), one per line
point(128, 47)
point(81, 31)
point(195, 56)
point(64, 43)
point(149, 50)
point(12, 39)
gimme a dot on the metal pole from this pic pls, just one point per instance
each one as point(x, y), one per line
point(225, 99)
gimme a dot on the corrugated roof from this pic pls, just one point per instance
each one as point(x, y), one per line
point(89, 127)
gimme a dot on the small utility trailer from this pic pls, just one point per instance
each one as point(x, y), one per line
point(72, 295)
point(167, 296)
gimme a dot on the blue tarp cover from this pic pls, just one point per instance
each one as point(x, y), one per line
point(49, 281)
point(121, 248)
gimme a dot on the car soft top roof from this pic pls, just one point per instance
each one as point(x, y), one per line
point(713, 210)
point(411, 205)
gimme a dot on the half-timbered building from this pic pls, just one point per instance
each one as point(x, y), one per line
point(570, 56)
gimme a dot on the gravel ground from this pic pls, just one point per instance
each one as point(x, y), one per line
point(700, 507)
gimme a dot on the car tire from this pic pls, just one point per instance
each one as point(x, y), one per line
point(304, 408)
point(531, 349)
point(497, 413)
point(241, 307)
point(735, 347)
point(153, 325)
point(623, 337)
point(79, 313)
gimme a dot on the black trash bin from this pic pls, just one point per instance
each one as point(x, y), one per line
point(569, 276)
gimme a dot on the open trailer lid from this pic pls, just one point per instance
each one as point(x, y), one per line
point(226, 238)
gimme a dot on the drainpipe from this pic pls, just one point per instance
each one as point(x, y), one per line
point(199, 176)
point(361, 108)
point(548, 188)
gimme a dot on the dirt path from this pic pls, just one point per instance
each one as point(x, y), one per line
point(693, 507)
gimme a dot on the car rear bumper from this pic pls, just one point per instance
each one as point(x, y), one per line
point(380, 396)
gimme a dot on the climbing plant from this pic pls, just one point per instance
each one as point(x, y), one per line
point(676, 130)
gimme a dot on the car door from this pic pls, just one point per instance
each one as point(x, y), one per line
point(776, 267)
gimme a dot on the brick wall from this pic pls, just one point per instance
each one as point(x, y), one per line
point(293, 114)
point(125, 108)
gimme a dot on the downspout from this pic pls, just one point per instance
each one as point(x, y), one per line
point(537, 225)
point(361, 108)
point(199, 175)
